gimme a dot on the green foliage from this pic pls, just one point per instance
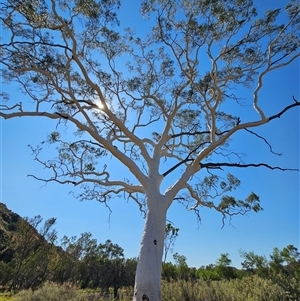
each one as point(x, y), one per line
point(83, 263)
point(12, 226)
point(54, 137)
point(5, 297)
point(253, 262)
point(230, 206)
point(90, 8)
point(224, 260)
point(283, 269)
point(171, 235)
point(183, 271)
point(223, 268)
point(208, 274)
point(6, 273)
point(169, 271)
point(33, 253)
point(92, 265)
point(30, 258)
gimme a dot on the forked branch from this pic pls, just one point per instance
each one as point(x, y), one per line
point(295, 104)
point(220, 165)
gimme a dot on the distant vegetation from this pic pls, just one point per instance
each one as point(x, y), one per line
point(30, 256)
point(34, 267)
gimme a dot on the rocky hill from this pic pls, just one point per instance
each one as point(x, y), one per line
point(28, 256)
point(8, 225)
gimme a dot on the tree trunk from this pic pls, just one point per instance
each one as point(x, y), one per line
point(148, 273)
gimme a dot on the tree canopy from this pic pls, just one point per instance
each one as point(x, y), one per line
point(69, 58)
point(167, 102)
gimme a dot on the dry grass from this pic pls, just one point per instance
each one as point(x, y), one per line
point(247, 289)
point(251, 288)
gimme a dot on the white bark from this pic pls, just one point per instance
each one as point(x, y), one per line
point(148, 274)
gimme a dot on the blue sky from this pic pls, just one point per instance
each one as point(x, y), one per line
point(276, 226)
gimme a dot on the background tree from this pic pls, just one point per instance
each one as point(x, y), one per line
point(183, 271)
point(91, 265)
point(286, 260)
point(171, 235)
point(224, 260)
point(291, 257)
point(208, 273)
point(169, 271)
point(33, 252)
point(129, 272)
point(283, 268)
point(67, 263)
point(168, 114)
point(113, 266)
point(254, 263)
point(224, 268)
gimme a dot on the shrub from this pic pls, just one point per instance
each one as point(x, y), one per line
point(5, 297)
point(252, 288)
point(50, 292)
point(291, 285)
point(66, 292)
point(249, 288)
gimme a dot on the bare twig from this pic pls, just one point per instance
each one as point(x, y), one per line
point(265, 140)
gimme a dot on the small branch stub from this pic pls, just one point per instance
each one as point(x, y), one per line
point(145, 298)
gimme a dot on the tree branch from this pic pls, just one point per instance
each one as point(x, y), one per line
point(199, 133)
point(216, 165)
point(212, 165)
point(297, 103)
point(265, 140)
point(187, 159)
